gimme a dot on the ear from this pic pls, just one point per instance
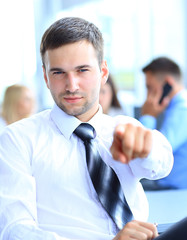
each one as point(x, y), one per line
point(169, 79)
point(104, 72)
point(45, 76)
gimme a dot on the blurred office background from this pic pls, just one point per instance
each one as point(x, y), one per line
point(134, 32)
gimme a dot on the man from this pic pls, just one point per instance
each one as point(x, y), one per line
point(159, 72)
point(46, 190)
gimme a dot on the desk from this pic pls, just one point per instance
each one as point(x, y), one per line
point(167, 206)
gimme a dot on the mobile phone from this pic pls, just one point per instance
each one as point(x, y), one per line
point(166, 90)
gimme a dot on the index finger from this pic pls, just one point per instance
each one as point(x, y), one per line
point(116, 148)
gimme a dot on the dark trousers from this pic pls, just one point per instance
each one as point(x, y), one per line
point(177, 232)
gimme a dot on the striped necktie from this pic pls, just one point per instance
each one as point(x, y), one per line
point(104, 179)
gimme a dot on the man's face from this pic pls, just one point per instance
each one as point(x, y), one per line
point(74, 77)
point(154, 84)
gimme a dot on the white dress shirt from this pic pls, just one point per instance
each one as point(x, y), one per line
point(2, 124)
point(45, 189)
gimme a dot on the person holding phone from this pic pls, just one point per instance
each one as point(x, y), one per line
point(165, 109)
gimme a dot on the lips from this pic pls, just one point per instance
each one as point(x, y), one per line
point(73, 99)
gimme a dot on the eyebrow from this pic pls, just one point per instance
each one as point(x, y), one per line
point(83, 66)
point(56, 69)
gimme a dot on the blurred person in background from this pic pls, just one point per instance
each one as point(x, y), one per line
point(163, 75)
point(109, 100)
point(18, 103)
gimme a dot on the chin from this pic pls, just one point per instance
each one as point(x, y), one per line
point(71, 112)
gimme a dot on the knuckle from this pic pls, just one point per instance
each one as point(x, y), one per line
point(149, 234)
point(143, 236)
point(137, 148)
point(140, 129)
point(128, 144)
point(145, 151)
point(148, 133)
point(131, 224)
point(129, 125)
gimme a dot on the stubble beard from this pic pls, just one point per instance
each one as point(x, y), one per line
point(75, 110)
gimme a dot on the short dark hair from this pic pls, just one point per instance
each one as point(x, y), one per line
point(71, 30)
point(163, 65)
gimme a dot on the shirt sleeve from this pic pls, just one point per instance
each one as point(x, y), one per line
point(27, 231)
point(18, 211)
point(159, 162)
point(173, 127)
point(148, 121)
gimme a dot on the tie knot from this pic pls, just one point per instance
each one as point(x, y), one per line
point(85, 132)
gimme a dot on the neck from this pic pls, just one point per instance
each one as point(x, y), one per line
point(88, 115)
point(176, 90)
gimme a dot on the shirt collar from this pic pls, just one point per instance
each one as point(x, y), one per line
point(67, 123)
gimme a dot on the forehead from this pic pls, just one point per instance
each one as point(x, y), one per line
point(82, 50)
point(154, 80)
point(151, 77)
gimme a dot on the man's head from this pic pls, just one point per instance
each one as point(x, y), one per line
point(71, 30)
point(73, 66)
point(160, 71)
point(163, 65)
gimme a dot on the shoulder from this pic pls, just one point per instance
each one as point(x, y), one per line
point(116, 111)
point(30, 125)
point(27, 134)
point(2, 124)
point(179, 100)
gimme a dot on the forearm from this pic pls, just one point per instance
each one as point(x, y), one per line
point(26, 230)
point(173, 128)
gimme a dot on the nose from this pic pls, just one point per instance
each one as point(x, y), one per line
point(71, 82)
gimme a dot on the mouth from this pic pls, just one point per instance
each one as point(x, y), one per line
point(74, 99)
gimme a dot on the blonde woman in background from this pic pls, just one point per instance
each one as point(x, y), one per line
point(18, 103)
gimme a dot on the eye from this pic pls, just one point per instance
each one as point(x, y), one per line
point(57, 72)
point(83, 70)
